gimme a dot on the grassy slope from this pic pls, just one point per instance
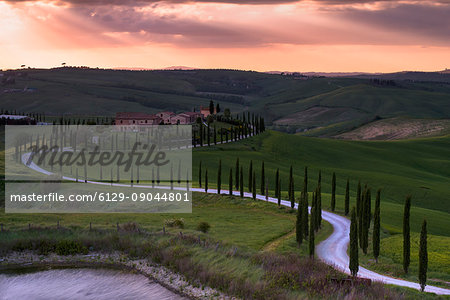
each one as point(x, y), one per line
point(241, 224)
point(241, 227)
point(397, 167)
point(349, 102)
point(233, 220)
point(419, 167)
point(101, 92)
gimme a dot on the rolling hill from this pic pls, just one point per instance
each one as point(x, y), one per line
point(316, 106)
point(418, 167)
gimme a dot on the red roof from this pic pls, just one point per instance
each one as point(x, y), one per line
point(191, 113)
point(167, 113)
point(135, 116)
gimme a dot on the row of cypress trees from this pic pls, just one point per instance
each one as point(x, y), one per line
point(361, 217)
point(360, 221)
point(242, 129)
point(306, 227)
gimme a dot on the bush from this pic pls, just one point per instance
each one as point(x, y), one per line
point(203, 227)
point(66, 247)
point(175, 222)
point(130, 227)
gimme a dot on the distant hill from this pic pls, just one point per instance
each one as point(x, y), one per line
point(316, 106)
point(440, 76)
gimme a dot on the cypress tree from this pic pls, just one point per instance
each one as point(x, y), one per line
point(250, 173)
point(201, 135)
point(406, 234)
point(219, 177)
point(347, 197)
point(319, 199)
point(423, 256)
point(279, 192)
point(267, 190)
point(208, 135)
point(311, 234)
point(376, 228)
point(358, 199)
point(316, 212)
point(291, 189)
point(277, 176)
point(305, 181)
point(241, 184)
point(333, 192)
point(305, 214)
point(254, 186)
point(230, 182)
point(206, 181)
point(369, 207)
point(200, 174)
point(366, 222)
point(237, 174)
point(354, 260)
point(361, 218)
point(299, 224)
point(263, 179)
point(211, 107)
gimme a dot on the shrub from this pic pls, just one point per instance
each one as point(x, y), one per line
point(44, 246)
point(66, 247)
point(203, 227)
point(130, 226)
point(175, 222)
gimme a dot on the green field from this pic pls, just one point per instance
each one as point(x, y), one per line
point(320, 106)
point(229, 218)
point(242, 228)
point(248, 252)
point(417, 167)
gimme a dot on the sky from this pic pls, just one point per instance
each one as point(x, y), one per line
point(261, 35)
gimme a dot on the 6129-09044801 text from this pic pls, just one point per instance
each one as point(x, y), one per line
point(102, 197)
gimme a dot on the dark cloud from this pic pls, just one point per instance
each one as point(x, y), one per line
point(428, 24)
point(391, 24)
point(147, 2)
point(244, 2)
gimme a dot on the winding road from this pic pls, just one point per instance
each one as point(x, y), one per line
point(332, 250)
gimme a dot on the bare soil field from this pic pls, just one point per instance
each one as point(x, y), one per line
point(398, 128)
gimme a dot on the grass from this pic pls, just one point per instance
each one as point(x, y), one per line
point(418, 167)
point(227, 258)
point(345, 103)
point(233, 220)
point(391, 258)
point(397, 168)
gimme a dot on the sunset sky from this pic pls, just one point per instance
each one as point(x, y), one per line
point(262, 35)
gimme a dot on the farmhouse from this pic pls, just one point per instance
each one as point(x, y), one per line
point(165, 116)
point(185, 118)
point(126, 121)
point(205, 111)
point(130, 121)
